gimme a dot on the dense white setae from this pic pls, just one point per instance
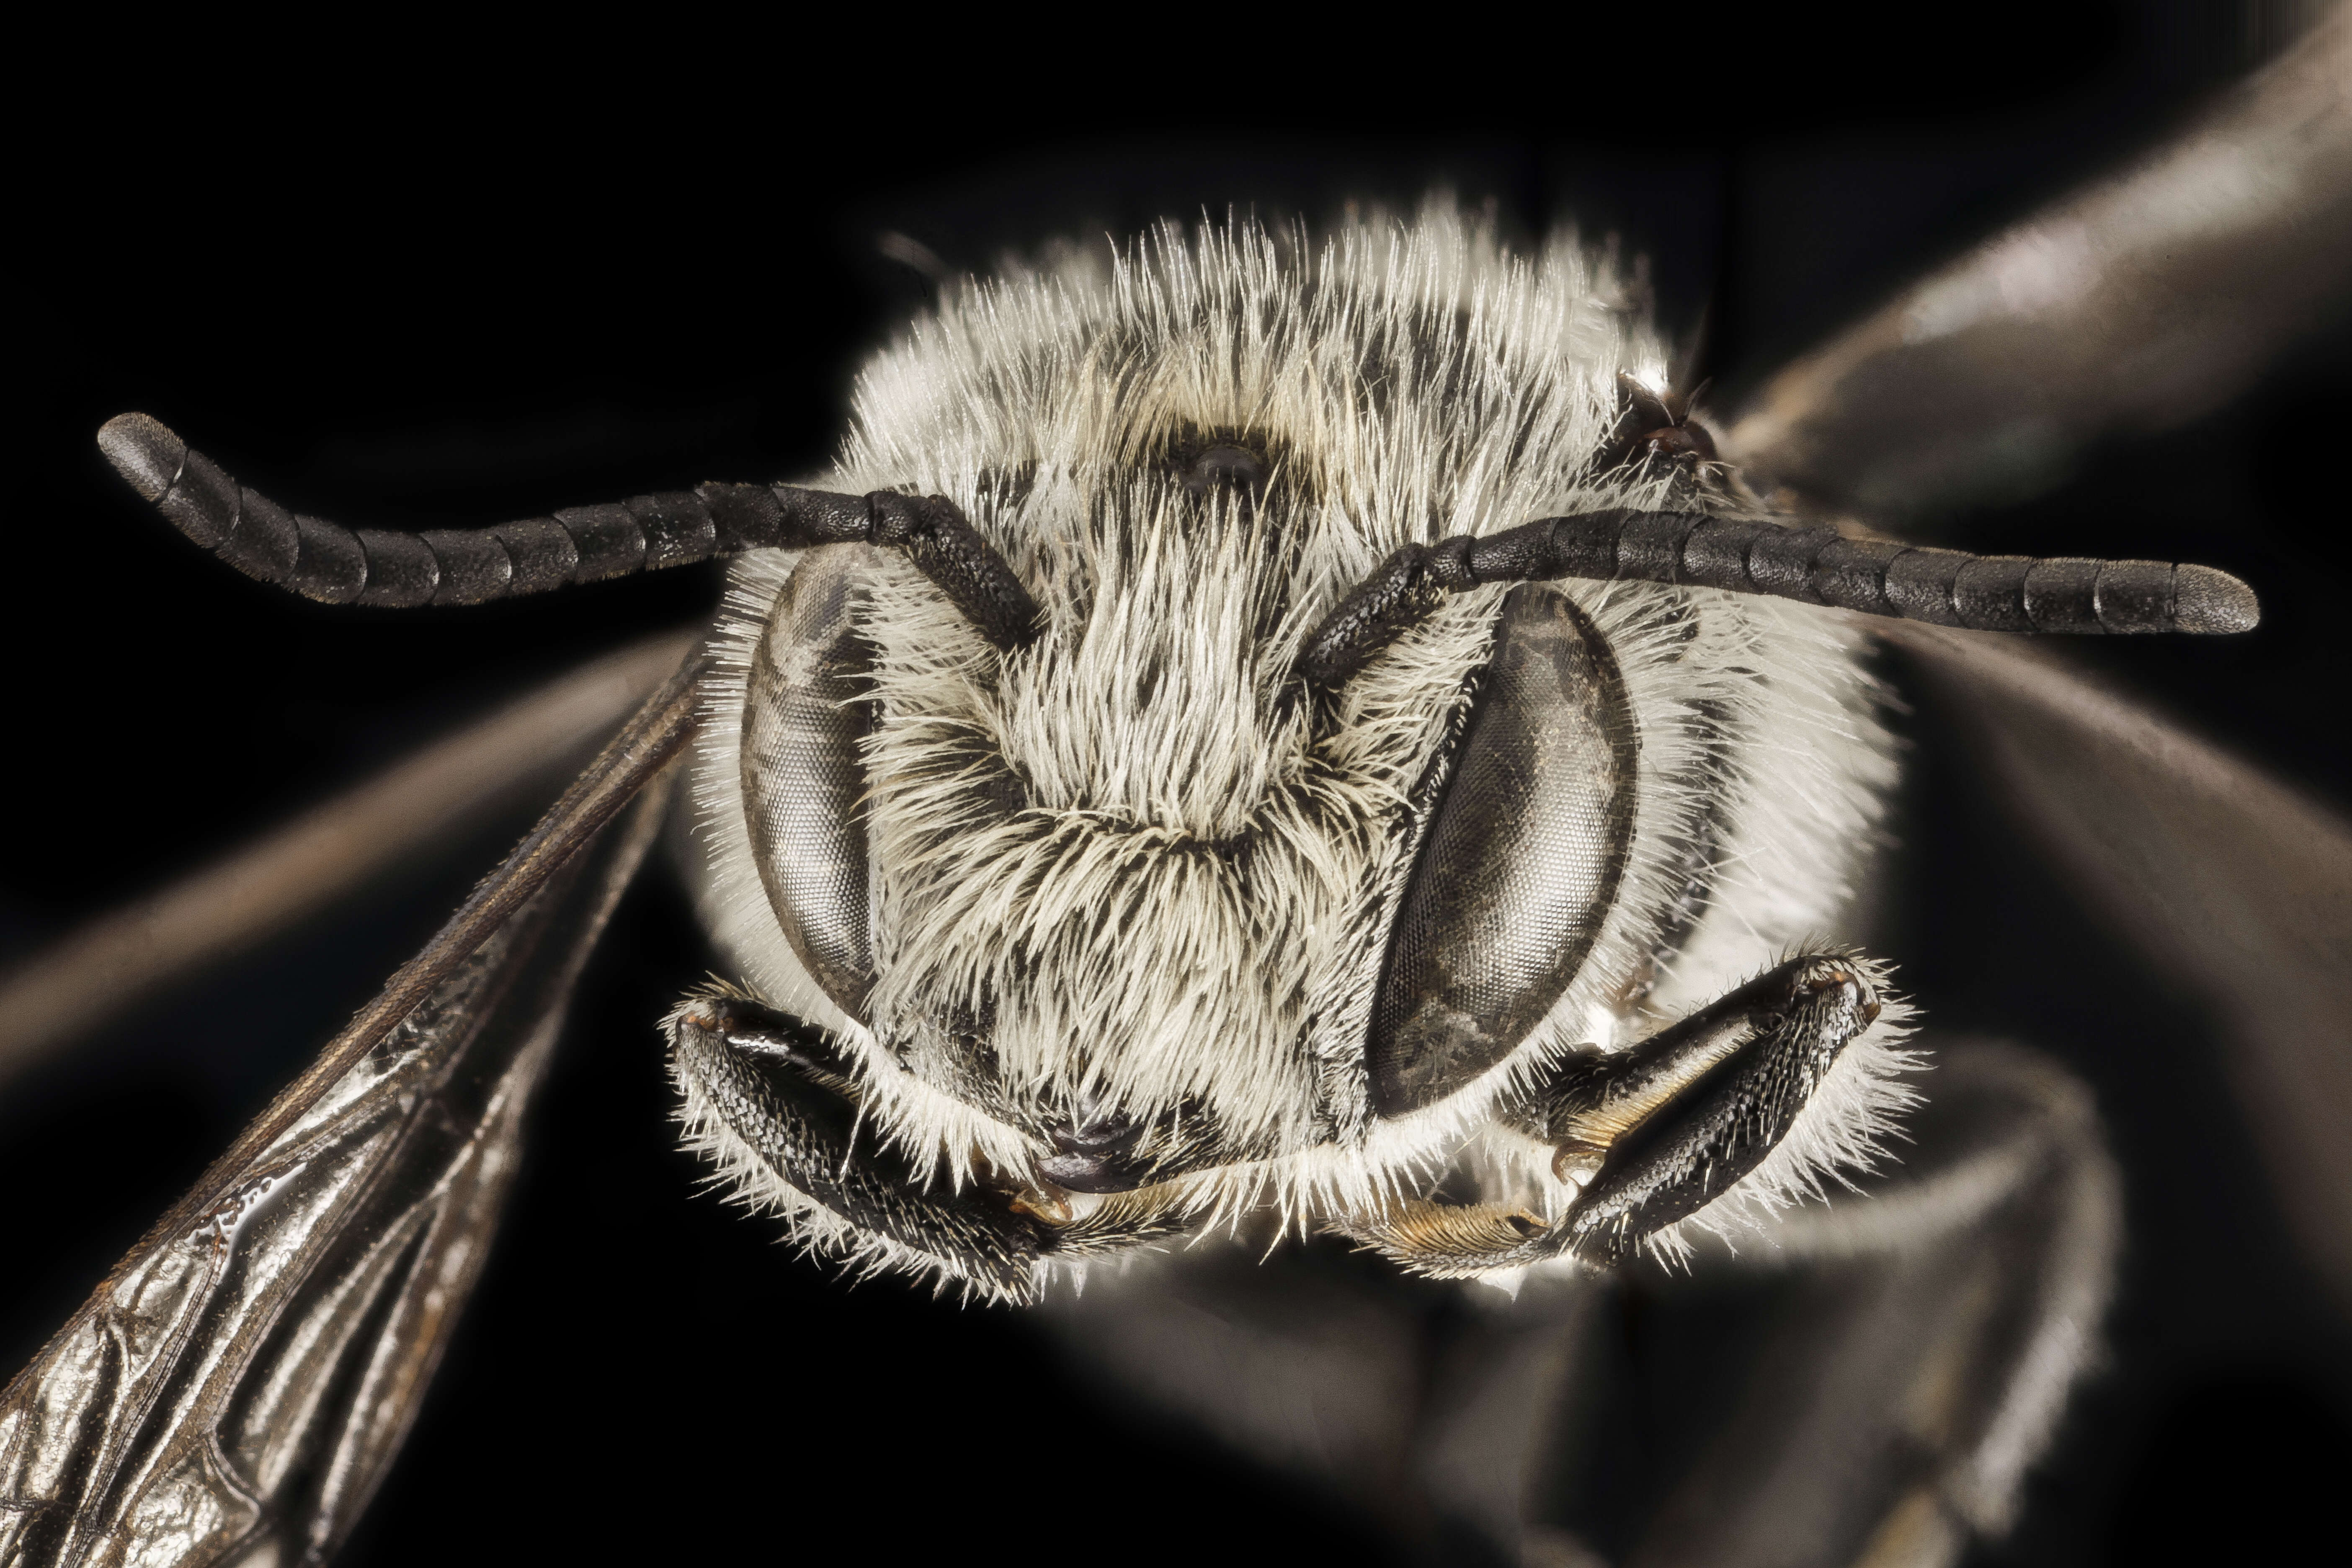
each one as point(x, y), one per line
point(1405, 382)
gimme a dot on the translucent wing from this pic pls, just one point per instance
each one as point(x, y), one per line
point(2135, 305)
point(238, 1385)
point(2238, 887)
point(72, 989)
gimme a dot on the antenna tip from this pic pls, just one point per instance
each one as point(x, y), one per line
point(144, 452)
point(2213, 602)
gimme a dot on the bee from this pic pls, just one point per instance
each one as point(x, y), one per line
point(1274, 736)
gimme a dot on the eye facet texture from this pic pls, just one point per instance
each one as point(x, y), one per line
point(804, 784)
point(1521, 860)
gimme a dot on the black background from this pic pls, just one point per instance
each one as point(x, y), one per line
point(400, 278)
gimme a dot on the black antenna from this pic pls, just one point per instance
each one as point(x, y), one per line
point(396, 568)
point(1812, 565)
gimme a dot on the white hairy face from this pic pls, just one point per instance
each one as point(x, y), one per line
point(1125, 870)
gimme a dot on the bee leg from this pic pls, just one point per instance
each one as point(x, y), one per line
point(1677, 1121)
point(1656, 1132)
point(773, 1098)
point(1909, 1350)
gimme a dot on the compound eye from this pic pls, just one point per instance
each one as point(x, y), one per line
point(1520, 863)
point(804, 713)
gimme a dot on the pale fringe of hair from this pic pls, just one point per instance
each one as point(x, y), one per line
point(740, 1177)
point(1423, 382)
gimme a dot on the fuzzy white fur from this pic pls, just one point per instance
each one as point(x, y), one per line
point(1420, 382)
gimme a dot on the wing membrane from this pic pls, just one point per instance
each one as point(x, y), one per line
point(2136, 304)
point(93, 974)
point(2232, 882)
point(241, 1381)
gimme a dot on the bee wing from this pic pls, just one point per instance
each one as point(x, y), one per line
point(68, 989)
point(242, 1379)
point(2134, 305)
point(2236, 885)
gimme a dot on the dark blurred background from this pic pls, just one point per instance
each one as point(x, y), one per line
point(418, 281)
